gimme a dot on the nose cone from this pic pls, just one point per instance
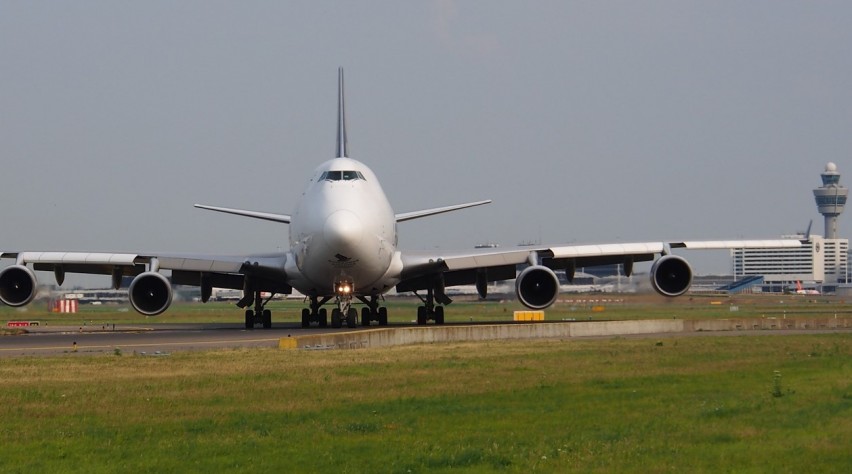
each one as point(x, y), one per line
point(343, 231)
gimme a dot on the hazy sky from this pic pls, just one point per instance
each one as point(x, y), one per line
point(585, 122)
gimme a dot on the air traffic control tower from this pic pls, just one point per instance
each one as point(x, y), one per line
point(830, 199)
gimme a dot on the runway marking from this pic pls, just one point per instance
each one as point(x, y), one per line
point(146, 344)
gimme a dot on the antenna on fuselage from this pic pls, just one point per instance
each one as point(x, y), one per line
point(342, 151)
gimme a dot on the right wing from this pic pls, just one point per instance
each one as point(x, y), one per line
point(268, 216)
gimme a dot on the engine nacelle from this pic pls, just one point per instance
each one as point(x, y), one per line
point(18, 285)
point(671, 275)
point(150, 293)
point(537, 287)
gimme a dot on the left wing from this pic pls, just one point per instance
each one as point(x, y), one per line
point(407, 216)
point(150, 292)
point(537, 286)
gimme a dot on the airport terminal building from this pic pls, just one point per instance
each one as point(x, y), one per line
point(823, 261)
point(820, 262)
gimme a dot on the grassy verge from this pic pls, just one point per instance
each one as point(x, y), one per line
point(763, 404)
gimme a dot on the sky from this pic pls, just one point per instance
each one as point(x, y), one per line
point(593, 121)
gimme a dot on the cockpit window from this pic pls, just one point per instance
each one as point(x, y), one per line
point(341, 176)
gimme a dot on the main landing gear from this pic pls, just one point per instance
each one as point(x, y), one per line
point(259, 315)
point(344, 313)
point(315, 314)
point(372, 311)
point(429, 311)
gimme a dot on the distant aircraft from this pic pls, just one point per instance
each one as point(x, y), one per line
point(800, 290)
point(343, 248)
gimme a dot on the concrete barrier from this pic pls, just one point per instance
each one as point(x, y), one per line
point(384, 337)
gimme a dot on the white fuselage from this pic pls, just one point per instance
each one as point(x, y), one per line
point(343, 231)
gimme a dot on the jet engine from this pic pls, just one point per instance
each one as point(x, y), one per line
point(537, 287)
point(17, 285)
point(671, 275)
point(150, 293)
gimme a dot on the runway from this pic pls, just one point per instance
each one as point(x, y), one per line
point(162, 339)
point(149, 338)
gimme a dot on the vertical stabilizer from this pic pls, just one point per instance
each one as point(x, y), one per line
point(342, 151)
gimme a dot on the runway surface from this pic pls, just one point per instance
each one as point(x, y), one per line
point(149, 338)
point(159, 339)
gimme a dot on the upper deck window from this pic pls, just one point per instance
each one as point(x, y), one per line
point(341, 176)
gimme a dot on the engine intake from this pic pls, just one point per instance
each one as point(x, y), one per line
point(671, 275)
point(150, 293)
point(17, 285)
point(537, 287)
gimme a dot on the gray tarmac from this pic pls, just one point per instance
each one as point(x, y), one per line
point(161, 339)
point(150, 338)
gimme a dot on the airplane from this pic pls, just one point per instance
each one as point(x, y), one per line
point(800, 290)
point(343, 247)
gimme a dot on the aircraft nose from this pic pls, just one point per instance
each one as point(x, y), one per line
point(343, 231)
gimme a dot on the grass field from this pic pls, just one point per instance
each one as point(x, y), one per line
point(692, 404)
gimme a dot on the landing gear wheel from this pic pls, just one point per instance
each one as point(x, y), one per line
point(439, 315)
point(352, 318)
point(249, 319)
point(267, 319)
point(306, 317)
point(323, 318)
point(366, 314)
point(335, 319)
point(383, 316)
point(422, 315)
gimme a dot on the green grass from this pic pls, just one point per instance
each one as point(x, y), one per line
point(692, 404)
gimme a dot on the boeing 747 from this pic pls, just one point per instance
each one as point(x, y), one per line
point(343, 248)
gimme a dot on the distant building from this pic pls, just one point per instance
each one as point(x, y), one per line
point(831, 199)
point(822, 261)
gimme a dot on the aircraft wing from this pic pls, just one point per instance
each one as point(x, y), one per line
point(266, 270)
point(407, 216)
point(421, 270)
point(267, 216)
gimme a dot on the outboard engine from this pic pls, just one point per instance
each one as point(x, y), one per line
point(150, 293)
point(671, 275)
point(17, 285)
point(537, 287)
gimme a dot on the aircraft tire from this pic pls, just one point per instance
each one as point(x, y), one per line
point(323, 318)
point(335, 319)
point(383, 316)
point(366, 314)
point(249, 319)
point(306, 317)
point(422, 316)
point(439, 315)
point(267, 319)
point(352, 318)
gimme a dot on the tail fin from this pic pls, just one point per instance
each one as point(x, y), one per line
point(342, 151)
point(798, 285)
